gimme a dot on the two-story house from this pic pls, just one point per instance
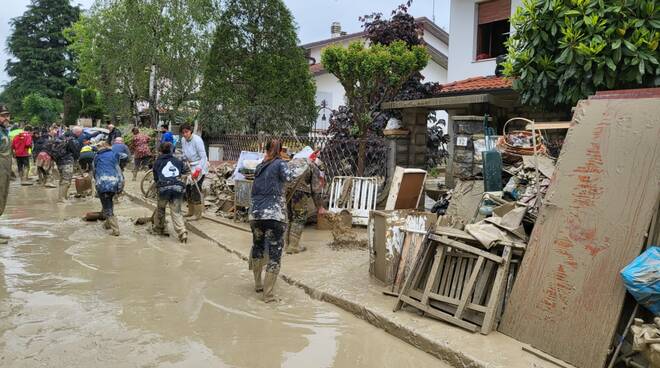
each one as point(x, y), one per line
point(330, 93)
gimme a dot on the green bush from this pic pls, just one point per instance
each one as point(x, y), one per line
point(565, 50)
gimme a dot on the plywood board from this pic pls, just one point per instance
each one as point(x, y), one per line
point(406, 189)
point(568, 296)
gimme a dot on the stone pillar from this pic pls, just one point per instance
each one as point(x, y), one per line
point(415, 121)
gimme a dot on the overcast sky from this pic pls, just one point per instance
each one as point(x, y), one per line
point(313, 17)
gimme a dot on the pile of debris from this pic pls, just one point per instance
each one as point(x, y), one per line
point(221, 190)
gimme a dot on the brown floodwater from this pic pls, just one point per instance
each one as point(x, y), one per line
point(72, 296)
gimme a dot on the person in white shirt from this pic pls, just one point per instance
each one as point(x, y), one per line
point(194, 153)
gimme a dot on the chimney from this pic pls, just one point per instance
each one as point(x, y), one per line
point(335, 29)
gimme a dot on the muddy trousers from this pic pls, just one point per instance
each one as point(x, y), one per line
point(5, 178)
point(23, 164)
point(268, 239)
point(159, 224)
point(297, 209)
point(66, 175)
point(107, 204)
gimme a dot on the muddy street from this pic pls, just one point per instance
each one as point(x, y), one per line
point(72, 296)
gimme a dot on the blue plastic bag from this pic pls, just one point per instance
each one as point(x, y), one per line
point(642, 279)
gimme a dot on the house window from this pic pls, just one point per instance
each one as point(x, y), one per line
point(492, 28)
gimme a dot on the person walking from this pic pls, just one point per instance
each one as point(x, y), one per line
point(194, 153)
point(64, 151)
point(141, 151)
point(268, 218)
point(167, 174)
point(109, 181)
point(21, 144)
point(166, 136)
point(308, 184)
point(5, 163)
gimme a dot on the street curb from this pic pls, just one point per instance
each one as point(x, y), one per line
point(446, 353)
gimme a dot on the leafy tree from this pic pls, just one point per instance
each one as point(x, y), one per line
point(257, 77)
point(39, 109)
point(91, 105)
point(371, 76)
point(565, 50)
point(119, 42)
point(72, 101)
point(40, 60)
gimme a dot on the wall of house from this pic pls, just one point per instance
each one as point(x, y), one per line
point(436, 43)
point(462, 48)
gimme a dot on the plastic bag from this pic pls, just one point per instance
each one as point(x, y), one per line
point(642, 279)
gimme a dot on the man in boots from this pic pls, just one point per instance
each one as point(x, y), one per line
point(64, 151)
point(167, 174)
point(194, 153)
point(5, 163)
point(308, 184)
point(21, 145)
point(109, 182)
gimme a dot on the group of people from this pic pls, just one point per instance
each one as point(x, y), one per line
point(280, 192)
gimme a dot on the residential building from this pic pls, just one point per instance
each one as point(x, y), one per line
point(329, 89)
point(479, 29)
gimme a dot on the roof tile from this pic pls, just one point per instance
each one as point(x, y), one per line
point(474, 84)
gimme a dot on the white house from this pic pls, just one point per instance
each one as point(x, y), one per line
point(329, 89)
point(478, 30)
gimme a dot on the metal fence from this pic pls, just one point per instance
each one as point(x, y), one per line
point(340, 155)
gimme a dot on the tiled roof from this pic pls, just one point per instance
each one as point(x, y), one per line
point(475, 84)
point(316, 69)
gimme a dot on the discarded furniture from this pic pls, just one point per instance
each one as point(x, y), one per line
point(356, 194)
point(592, 224)
point(242, 193)
point(386, 239)
point(458, 283)
point(407, 189)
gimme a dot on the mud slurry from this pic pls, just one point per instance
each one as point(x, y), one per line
point(72, 296)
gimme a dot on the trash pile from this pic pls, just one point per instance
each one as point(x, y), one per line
point(221, 190)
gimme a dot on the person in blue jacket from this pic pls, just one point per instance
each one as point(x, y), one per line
point(268, 218)
point(167, 136)
point(167, 174)
point(109, 182)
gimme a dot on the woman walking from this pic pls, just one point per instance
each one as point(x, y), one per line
point(268, 218)
point(109, 182)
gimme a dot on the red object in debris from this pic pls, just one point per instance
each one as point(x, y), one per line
point(195, 174)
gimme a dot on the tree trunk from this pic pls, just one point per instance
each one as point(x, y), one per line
point(153, 97)
point(362, 156)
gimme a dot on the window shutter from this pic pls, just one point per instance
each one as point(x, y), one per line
point(494, 10)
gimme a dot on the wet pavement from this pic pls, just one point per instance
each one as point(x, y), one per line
point(72, 296)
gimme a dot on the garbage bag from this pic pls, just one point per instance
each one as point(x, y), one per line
point(642, 279)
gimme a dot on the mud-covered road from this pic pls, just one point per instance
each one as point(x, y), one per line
point(72, 296)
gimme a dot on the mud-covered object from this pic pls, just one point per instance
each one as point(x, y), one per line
point(5, 167)
point(642, 279)
point(307, 178)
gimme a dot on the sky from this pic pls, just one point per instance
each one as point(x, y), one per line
point(313, 17)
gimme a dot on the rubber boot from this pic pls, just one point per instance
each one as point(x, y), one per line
point(183, 238)
point(64, 191)
point(25, 179)
point(198, 212)
point(114, 226)
point(257, 266)
point(293, 244)
point(269, 287)
point(191, 210)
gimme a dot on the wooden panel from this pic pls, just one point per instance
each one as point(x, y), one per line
point(406, 189)
point(568, 296)
point(492, 11)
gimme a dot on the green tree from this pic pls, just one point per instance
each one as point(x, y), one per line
point(257, 77)
point(370, 76)
point(40, 60)
point(39, 109)
point(92, 106)
point(72, 101)
point(120, 42)
point(565, 50)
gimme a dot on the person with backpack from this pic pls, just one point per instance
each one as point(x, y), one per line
point(21, 144)
point(65, 152)
point(5, 163)
point(109, 182)
point(167, 174)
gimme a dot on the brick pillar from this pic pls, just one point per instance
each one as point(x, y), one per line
point(415, 121)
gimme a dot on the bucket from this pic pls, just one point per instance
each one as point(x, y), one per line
point(83, 184)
